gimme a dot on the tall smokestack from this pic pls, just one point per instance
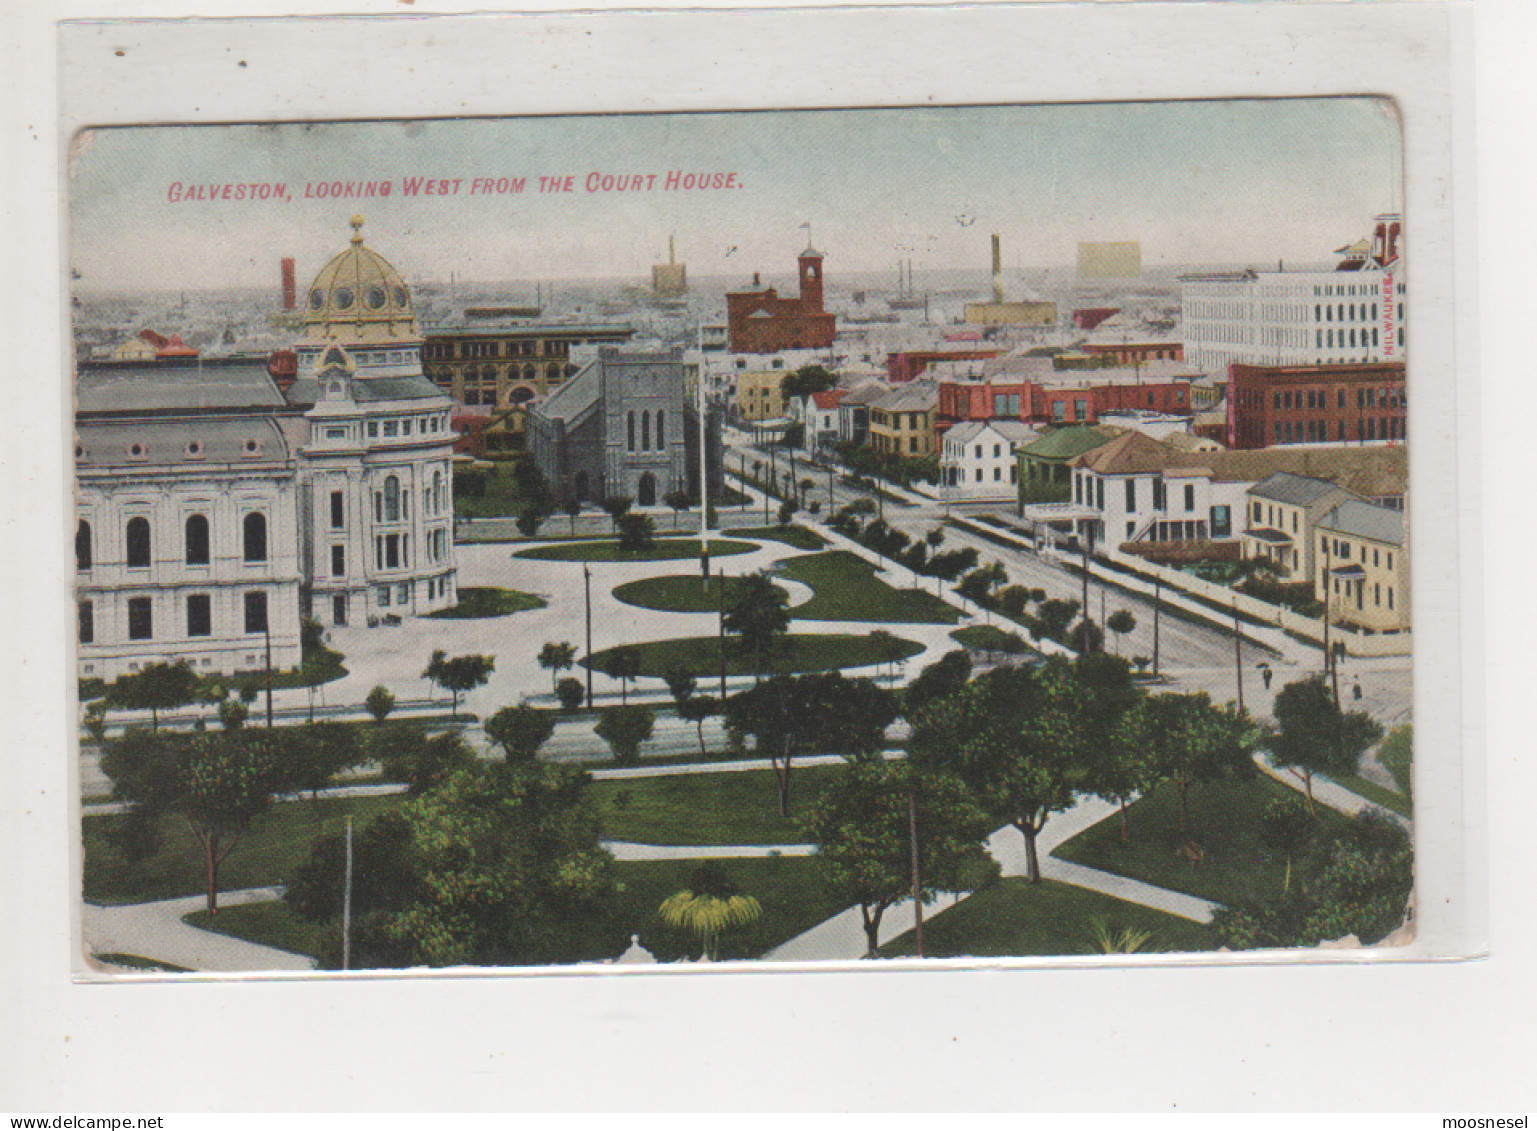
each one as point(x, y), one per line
point(289, 299)
point(671, 254)
point(997, 270)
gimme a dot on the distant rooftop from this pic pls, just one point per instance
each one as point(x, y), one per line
point(140, 388)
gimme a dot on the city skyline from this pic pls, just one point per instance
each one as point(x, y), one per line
point(1295, 178)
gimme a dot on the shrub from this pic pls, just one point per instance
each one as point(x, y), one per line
point(571, 692)
point(624, 729)
point(380, 703)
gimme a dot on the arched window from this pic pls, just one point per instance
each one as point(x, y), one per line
point(83, 545)
point(255, 530)
point(437, 492)
point(391, 499)
point(197, 539)
point(138, 543)
point(661, 431)
point(630, 429)
point(645, 431)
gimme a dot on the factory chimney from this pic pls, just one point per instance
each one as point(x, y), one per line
point(997, 271)
point(289, 300)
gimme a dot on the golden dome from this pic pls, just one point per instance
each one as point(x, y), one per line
point(360, 287)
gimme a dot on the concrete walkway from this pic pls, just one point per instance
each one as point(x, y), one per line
point(1329, 793)
point(624, 850)
point(156, 931)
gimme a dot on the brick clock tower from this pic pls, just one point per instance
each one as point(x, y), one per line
point(811, 281)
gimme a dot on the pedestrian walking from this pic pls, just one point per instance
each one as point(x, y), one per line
point(1355, 688)
point(1265, 673)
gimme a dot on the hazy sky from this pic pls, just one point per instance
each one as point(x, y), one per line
point(1192, 181)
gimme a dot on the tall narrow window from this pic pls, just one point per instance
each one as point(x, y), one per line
point(1190, 496)
point(338, 561)
point(630, 430)
point(197, 539)
point(138, 543)
point(87, 622)
point(645, 431)
point(391, 499)
point(255, 530)
point(338, 511)
point(661, 430)
point(256, 611)
point(83, 545)
point(437, 492)
point(140, 619)
point(199, 615)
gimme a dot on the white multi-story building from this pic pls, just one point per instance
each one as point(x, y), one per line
point(977, 459)
point(216, 506)
point(1354, 313)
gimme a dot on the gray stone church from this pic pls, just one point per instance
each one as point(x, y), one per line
point(623, 427)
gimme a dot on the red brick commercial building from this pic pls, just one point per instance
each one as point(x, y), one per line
point(1268, 405)
point(1035, 403)
point(909, 365)
point(759, 321)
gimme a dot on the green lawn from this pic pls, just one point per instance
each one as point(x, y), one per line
point(678, 593)
point(797, 536)
point(138, 962)
point(729, 808)
point(846, 588)
point(1014, 918)
point(990, 638)
point(804, 653)
point(788, 888)
point(475, 604)
point(278, 841)
point(1387, 798)
point(325, 667)
point(1397, 754)
point(270, 923)
point(607, 550)
point(1224, 821)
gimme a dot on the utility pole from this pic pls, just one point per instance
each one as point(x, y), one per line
point(912, 840)
point(1237, 653)
point(267, 636)
point(722, 635)
point(830, 474)
point(587, 594)
point(1157, 605)
point(347, 903)
point(704, 489)
point(1331, 669)
point(1083, 544)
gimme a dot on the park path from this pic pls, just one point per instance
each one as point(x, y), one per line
point(1329, 792)
point(842, 936)
point(156, 931)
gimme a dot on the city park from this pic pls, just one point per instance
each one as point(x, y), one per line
point(768, 757)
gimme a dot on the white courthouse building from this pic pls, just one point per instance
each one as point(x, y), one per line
point(221, 500)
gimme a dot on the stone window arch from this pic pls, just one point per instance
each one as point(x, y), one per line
point(138, 543)
point(197, 539)
point(254, 530)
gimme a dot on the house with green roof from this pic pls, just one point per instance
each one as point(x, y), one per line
point(1044, 474)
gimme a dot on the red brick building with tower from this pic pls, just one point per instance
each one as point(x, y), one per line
point(1269, 405)
point(759, 321)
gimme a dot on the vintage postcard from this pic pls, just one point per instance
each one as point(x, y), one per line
point(792, 537)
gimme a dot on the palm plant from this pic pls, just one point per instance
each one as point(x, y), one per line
point(712, 904)
point(1106, 939)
